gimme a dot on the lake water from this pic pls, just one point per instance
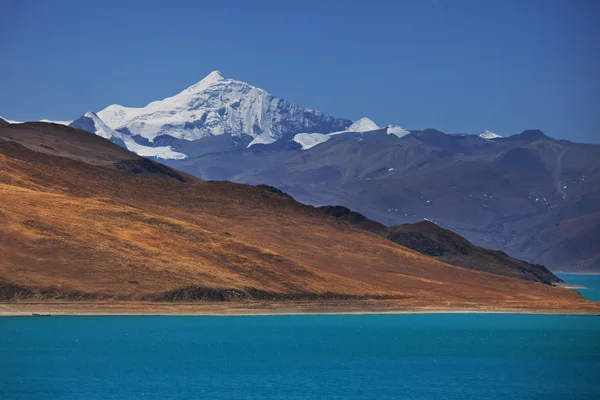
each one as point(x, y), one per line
point(591, 283)
point(301, 357)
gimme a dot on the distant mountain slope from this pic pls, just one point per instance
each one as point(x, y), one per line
point(521, 194)
point(76, 227)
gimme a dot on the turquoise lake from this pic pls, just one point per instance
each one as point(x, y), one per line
point(435, 356)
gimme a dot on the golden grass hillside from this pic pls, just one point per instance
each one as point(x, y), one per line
point(73, 227)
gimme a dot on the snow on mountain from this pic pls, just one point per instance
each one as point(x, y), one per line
point(363, 125)
point(216, 106)
point(10, 121)
point(92, 123)
point(56, 122)
point(116, 115)
point(397, 130)
point(489, 135)
point(310, 140)
point(41, 120)
point(162, 152)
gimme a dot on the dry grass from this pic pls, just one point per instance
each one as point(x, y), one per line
point(77, 227)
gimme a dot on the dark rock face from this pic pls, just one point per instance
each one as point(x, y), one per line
point(199, 293)
point(432, 240)
point(355, 218)
point(3, 123)
point(144, 166)
point(12, 292)
point(275, 190)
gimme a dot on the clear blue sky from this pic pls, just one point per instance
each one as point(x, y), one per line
point(458, 66)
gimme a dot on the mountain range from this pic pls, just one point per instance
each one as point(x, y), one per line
point(84, 219)
point(529, 195)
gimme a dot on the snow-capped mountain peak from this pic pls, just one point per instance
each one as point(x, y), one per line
point(210, 80)
point(215, 106)
point(363, 125)
point(489, 135)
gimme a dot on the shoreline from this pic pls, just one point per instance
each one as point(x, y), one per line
point(575, 273)
point(572, 286)
point(260, 309)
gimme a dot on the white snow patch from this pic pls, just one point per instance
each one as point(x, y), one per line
point(489, 135)
point(397, 130)
point(56, 122)
point(262, 140)
point(310, 140)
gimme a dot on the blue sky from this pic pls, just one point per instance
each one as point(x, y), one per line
point(458, 66)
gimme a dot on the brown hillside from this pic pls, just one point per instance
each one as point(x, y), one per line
point(75, 225)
